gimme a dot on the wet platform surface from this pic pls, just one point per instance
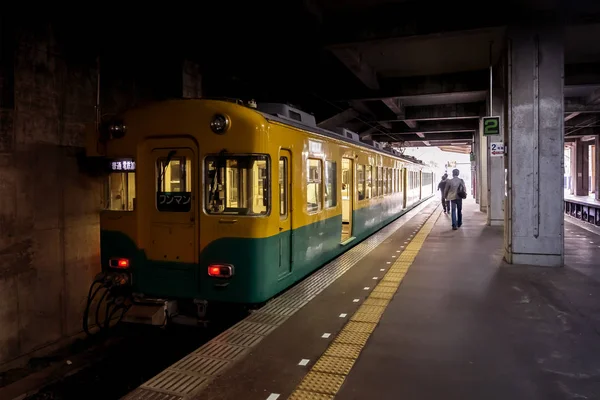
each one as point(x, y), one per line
point(464, 325)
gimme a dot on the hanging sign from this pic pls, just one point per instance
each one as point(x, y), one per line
point(491, 126)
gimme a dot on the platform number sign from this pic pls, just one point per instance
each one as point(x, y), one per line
point(491, 126)
point(497, 149)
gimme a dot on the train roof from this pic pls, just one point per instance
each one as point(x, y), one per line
point(288, 115)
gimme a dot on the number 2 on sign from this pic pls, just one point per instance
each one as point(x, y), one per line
point(490, 127)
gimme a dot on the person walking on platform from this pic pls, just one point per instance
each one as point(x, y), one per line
point(455, 191)
point(441, 187)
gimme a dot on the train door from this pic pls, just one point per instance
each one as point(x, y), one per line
point(285, 213)
point(168, 181)
point(347, 198)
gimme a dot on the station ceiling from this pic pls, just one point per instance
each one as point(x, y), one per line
point(414, 73)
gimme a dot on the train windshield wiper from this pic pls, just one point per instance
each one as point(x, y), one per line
point(162, 174)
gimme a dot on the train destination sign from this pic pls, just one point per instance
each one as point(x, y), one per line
point(174, 201)
point(123, 164)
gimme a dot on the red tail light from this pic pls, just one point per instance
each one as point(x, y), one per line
point(120, 263)
point(220, 270)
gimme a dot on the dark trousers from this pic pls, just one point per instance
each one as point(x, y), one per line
point(456, 212)
point(445, 203)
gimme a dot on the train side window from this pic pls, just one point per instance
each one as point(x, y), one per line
point(330, 184)
point(394, 180)
point(119, 191)
point(237, 185)
point(283, 168)
point(360, 178)
point(368, 181)
point(313, 185)
point(401, 180)
point(390, 180)
point(379, 181)
point(385, 181)
point(374, 187)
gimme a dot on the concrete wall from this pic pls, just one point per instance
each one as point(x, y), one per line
point(49, 210)
point(49, 237)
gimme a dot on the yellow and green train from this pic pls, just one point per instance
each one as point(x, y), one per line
point(211, 200)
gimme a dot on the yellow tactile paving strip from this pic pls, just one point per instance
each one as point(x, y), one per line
point(327, 375)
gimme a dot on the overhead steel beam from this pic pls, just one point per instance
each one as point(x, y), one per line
point(385, 21)
point(369, 131)
point(572, 107)
point(338, 119)
point(353, 61)
point(366, 74)
point(437, 126)
point(593, 98)
point(395, 106)
point(571, 116)
point(431, 137)
point(444, 112)
point(460, 82)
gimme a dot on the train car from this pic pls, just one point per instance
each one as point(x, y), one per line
point(214, 201)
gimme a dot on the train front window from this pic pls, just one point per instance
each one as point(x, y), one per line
point(173, 184)
point(119, 191)
point(237, 185)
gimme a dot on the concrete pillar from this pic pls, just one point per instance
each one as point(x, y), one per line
point(535, 128)
point(573, 168)
point(582, 187)
point(483, 170)
point(477, 172)
point(597, 161)
point(495, 170)
point(473, 171)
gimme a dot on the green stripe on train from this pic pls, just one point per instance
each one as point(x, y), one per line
point(261, 267)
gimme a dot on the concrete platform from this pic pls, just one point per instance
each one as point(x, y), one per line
point(585, 200)
point(464, 325)
point(263, 354)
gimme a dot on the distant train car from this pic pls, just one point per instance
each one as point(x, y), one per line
point(212, 201)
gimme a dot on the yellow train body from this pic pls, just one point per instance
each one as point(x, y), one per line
point(270, 200)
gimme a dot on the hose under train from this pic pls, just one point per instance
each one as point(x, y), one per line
point(113, 295)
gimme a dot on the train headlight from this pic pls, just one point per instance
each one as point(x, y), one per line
point(219, 124)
